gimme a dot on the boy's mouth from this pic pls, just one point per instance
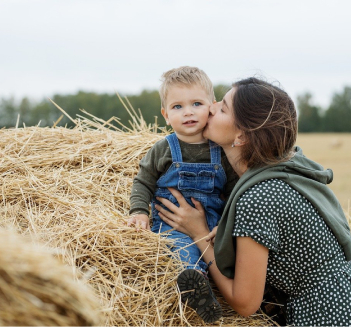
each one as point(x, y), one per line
point(190, 122)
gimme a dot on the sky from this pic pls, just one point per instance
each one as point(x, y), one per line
point(62, 46)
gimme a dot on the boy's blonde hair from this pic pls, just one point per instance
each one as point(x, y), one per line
point(187, 76)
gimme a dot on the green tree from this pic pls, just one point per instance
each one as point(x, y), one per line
point(309, 115)
point(24, 110)
point(8, 112)
point(149, 104)
point(220, 90)
point(43, 113)
point(338, 116)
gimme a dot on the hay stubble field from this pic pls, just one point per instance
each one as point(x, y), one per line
point(332, 150)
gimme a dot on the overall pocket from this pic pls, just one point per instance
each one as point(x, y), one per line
point(202, 181)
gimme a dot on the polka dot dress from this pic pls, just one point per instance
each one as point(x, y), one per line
point(305, 258)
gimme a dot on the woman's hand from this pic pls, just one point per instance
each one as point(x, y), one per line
point(212, 235)
point(186, 219)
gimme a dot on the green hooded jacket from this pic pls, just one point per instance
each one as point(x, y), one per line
point(302, 174)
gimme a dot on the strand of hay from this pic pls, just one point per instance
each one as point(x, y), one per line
point(37, 289)
point(70, 189)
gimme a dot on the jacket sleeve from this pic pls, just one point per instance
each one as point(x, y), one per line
point(151, 167)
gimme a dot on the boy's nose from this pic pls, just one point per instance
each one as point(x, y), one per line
point(188, 111)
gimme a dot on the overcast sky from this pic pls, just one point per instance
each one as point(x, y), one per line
point(61, 46)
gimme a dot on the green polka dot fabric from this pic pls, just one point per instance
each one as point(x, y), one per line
point(305, 258)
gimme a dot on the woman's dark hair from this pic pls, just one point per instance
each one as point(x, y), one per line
point(267, 117)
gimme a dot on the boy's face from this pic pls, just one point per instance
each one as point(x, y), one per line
point(187, 110)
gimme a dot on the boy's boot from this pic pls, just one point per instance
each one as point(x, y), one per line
point(196, 290)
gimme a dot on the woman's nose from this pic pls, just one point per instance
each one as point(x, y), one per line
point(213, 107)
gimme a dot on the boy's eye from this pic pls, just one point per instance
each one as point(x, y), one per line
point(196, 104)
point(177, 106)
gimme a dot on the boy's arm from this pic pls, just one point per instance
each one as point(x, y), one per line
point(143, 188)
point(155, 162)
point(144, 184)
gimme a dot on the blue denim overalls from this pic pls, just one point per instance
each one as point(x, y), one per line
point(201, 181)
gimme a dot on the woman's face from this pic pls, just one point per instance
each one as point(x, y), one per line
point(220, 126)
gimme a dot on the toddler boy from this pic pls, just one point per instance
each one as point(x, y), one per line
point(186, 161)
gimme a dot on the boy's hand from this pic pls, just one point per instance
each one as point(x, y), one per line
point(140, 220)
point(212, 235)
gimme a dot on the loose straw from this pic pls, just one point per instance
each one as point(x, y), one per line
point(69, 189)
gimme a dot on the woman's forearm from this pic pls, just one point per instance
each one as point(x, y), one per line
point(224, 284)
point(241, 297)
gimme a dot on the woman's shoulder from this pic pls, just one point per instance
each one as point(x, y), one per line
point(269, 188)
point(256, 213)
point(265, 199)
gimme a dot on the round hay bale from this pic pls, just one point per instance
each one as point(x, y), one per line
point(36, 289)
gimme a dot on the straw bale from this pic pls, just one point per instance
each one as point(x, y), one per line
point(70, 188)
point(36, 289)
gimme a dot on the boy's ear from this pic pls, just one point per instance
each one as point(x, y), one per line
point(165, 115)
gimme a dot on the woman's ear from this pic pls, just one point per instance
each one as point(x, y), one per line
point(242, 139)
point(165, 115)
point(239, 140)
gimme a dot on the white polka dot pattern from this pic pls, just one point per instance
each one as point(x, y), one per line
point(305, 258)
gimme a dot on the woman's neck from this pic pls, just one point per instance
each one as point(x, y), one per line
point(233, 155)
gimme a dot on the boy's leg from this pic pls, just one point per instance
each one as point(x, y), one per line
point(189, 253)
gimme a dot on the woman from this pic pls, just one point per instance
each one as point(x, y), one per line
point(282, 225)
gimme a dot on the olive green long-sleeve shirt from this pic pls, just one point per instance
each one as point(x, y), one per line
point(156, 163)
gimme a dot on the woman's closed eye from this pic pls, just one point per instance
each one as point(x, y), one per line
point(223, 109)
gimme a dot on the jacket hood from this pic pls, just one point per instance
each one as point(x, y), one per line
point(301, 165)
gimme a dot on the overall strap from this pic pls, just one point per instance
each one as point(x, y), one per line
point(215, 151)
point(175, 147)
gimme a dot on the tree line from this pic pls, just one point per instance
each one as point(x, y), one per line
point(335, 118)
point(312, 118)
